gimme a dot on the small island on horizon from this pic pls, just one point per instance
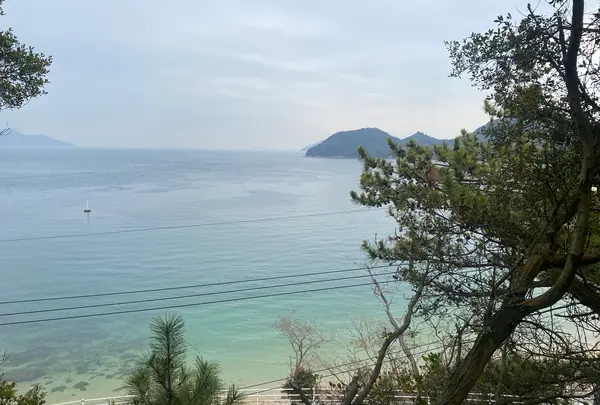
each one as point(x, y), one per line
point(16, 139)
point(345, 144)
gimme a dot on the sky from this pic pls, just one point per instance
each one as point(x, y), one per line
point(247, 74)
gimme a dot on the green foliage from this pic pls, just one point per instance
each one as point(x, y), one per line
point(507, 220)
point(162, 377)
point(9, 396)
point(8, 391)
point(517, 375)
point(301, 386)
point(525, 377)
point(426, 386)
point(475, 205)
point(303, 379)
point(482, 206)
point(35, 396)
point(234, 396)
point(22, 71)
point(202, 385)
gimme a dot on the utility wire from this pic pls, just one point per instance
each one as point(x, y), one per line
point(317, 371)
point(45, 176)
point(331, 374)
point(198, 225)
point(130, 311)
point(350, 364)
point(110, 304)
point(221, 283)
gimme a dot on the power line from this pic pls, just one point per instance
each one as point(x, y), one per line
point(199, 225)
point(331, 374)
point(349, 364)
point(53, 175)
point(357, 362)
point(221, 283)
point(216, 284)
point(315, 372)
point(110, 304)
point(62, 318)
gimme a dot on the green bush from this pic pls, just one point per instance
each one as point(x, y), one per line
point(9, 396)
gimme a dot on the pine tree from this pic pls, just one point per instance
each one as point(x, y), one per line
point(162, 377)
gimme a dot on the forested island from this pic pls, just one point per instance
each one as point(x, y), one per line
point(345, 144)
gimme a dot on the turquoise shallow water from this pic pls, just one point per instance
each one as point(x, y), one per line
point(43, 192)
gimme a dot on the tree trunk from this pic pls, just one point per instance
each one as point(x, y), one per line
point(302, 395)
point(409, 355)
point(468, 371)
point(500, 383)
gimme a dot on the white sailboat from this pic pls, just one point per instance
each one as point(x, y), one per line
point(87, 207)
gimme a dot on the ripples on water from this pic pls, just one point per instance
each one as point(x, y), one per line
point(44, 192)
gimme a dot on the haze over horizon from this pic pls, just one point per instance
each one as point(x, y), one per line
point(246, 75)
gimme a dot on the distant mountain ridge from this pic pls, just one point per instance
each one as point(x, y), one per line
point(484, 131)
point(310, 146)
point(15, 139)
point(345, 144)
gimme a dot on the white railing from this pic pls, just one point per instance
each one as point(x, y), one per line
point(123, 399)
point(250, 395)
point(282, 396)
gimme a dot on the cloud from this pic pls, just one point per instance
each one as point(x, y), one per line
point(247, 74)
point(280, 23)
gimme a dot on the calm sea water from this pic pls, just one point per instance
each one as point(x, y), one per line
point(43, 193)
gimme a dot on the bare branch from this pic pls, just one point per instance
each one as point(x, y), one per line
point(354, 396)
point(386, 303)
point(304, 338)
point(5, 131)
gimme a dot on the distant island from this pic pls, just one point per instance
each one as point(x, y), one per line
point(345, 144)
point(15, 139)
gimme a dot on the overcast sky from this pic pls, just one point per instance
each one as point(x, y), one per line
point(241, 74)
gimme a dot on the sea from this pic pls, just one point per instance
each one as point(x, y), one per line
point(175, 218)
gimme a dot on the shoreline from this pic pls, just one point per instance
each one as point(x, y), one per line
point(108, 388)
point(63, 387)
